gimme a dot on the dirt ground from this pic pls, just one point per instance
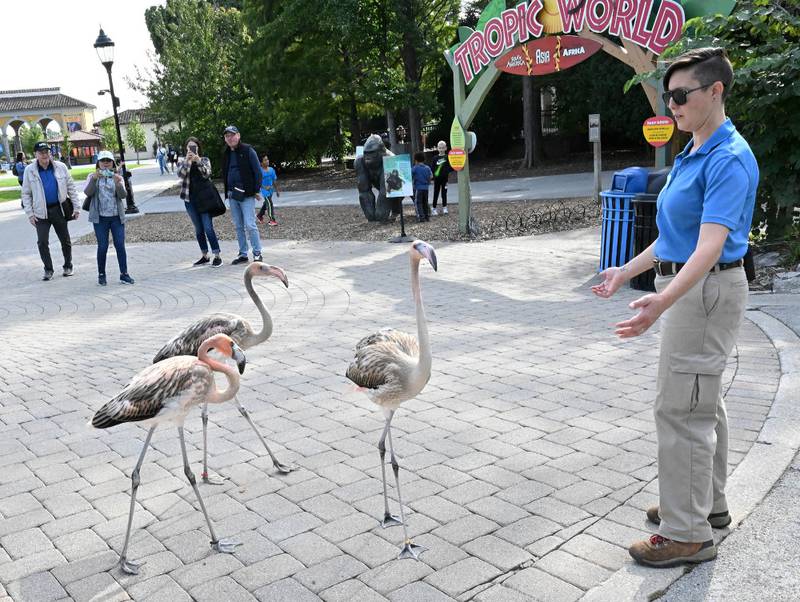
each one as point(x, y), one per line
point(492, 219)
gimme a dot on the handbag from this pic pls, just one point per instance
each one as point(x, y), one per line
point(69, 209)
point(206, 198)
point(87, 203)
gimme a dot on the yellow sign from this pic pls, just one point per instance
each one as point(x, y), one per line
point(457, 158)
point(658, 130)
point(457, 138)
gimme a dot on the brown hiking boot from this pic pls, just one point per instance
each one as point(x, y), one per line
point(719, 520)
point(661, 552)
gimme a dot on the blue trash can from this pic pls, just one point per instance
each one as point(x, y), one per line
point(616, 235)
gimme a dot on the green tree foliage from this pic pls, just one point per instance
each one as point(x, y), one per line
point(762, 38)
point(320, 63)
point(30, 135)
point(197, 78)
point(66, 149)
point(108, 135)
point(135, 137)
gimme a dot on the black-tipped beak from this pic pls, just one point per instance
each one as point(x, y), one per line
point(239, 358)
point(428, 253)
point(279, 274)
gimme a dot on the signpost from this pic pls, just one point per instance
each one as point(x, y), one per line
point(397, 179)
point(594, 138)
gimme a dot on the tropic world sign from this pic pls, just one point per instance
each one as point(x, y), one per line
point(627, 19)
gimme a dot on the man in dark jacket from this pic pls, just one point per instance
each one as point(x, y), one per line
point(241, 173)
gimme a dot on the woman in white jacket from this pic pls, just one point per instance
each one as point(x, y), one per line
point(46, 185)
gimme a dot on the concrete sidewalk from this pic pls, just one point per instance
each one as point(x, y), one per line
point(526, 462)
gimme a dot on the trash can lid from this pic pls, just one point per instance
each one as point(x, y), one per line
point(630, 179)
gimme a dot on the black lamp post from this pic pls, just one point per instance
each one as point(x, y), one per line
point(105, 52)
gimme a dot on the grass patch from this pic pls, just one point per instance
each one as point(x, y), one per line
point(9, 195)
point(79, 174)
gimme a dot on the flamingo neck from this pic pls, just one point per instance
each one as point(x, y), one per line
point(266, 320)
point(230, 372)
point(422, 372)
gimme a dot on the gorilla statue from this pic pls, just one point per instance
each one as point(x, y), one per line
point(369, 174)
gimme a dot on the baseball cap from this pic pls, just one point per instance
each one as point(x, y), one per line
point(231, 129)
point(105, 155)
point(41, 146)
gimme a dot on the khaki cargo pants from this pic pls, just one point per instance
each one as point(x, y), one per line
point(697, 335)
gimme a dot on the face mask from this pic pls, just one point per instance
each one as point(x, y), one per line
point(106, 173)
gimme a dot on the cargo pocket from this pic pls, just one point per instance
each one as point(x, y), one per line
point(700, 377)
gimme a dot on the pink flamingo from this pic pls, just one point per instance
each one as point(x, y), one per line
point(393, 367)
point(165, 393)
point(188, 341)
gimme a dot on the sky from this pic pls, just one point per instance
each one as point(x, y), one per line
point(64, 34)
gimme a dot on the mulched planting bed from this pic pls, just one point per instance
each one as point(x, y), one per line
point(493, 220)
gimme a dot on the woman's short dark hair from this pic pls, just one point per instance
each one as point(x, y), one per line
point(708, 65)
point(20, 157)
point(197, 142)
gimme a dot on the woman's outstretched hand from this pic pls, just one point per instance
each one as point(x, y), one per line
point(650, 308)
point(613, 278)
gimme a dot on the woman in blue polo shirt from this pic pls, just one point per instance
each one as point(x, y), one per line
point(704, 216)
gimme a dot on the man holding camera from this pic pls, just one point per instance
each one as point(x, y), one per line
point(241, 173)
point(46, 186)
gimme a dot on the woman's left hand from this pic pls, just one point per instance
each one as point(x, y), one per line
point(651, 307)
point(118, 178)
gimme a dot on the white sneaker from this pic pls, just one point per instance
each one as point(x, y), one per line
point(444, 211)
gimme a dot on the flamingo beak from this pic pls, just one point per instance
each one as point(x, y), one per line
point(239, 358)
point(274, 270)
point(428, 253)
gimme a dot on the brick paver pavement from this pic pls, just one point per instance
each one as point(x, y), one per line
point(526, 462)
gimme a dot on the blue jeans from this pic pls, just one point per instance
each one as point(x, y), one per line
point(117, 229)
point(243, 214)
point(162, 164)
point(203, 229)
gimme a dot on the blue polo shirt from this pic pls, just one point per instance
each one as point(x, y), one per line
point(715, 184)
point(49, 183)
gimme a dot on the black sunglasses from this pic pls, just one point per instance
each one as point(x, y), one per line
point(679, 94)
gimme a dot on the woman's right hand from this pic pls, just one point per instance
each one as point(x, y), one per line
point(613, 279)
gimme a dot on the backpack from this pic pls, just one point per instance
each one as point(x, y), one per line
point(14, 169)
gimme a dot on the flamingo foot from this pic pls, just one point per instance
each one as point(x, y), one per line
point(282, 468)
point(226, 546)
point(212, 479)
point(126, 566)
point(411, 550)
point(390, 520)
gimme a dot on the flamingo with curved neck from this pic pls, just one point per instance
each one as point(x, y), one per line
point(188, 341)
point(165, 392)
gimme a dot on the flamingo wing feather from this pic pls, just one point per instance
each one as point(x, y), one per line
point(155, 388)
point(188, 341)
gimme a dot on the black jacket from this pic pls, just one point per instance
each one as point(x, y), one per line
point(252, 181)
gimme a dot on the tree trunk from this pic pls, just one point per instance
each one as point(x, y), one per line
point(355, 127)
point(414, 131)
point(532, 122)
point(391, 129)
point(412, 71)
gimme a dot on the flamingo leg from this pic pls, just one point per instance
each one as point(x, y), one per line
point(220, 545)
point(389, 520)
point(126, 565)
point(210, 480)
point(409, 549)
point(282, 468)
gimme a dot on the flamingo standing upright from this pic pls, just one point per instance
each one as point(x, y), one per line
point(165, 393)
point(188, 341)
point(393, 367)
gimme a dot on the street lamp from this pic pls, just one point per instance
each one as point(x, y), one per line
point(105, 52)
